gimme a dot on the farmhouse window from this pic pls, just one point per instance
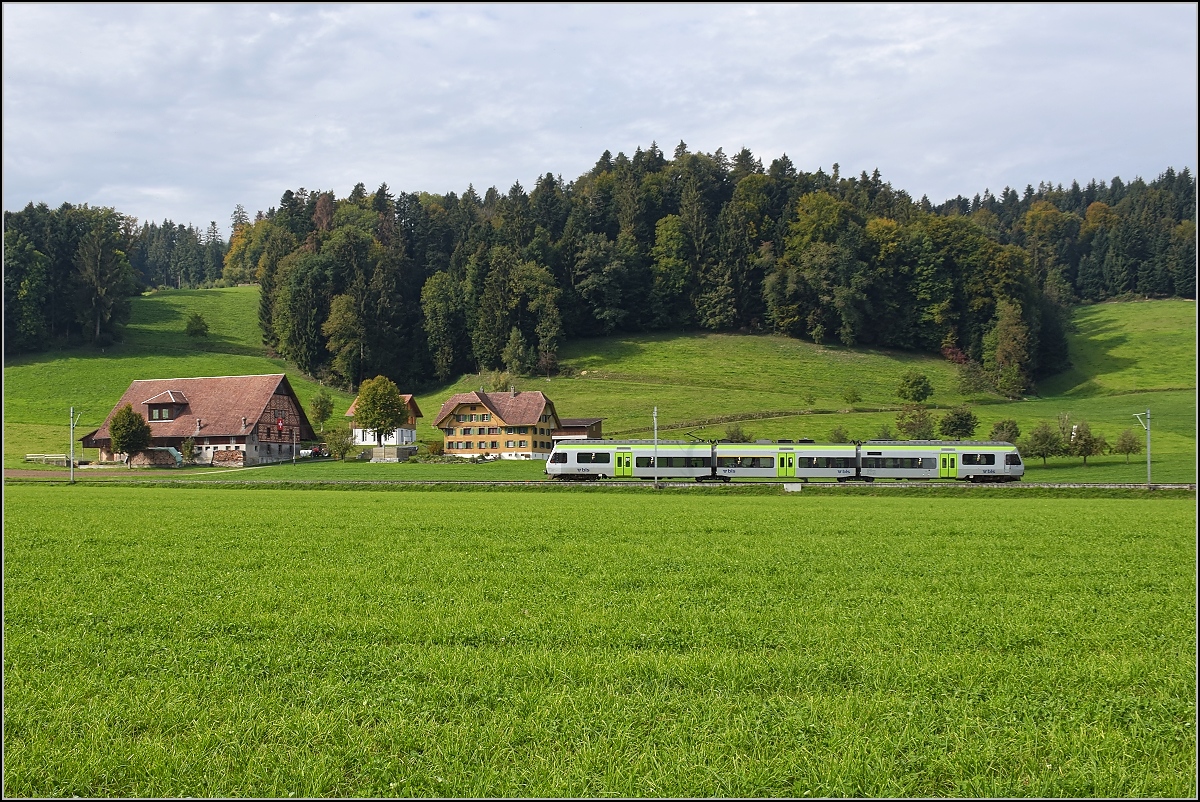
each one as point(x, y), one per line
point(495, 444)
point(510, 443)
point(524, 444)
point(523, 430)
point(487, 416)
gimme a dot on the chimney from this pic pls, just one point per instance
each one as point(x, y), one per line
point(512, 390)
point(243, 421)
point(199, 425)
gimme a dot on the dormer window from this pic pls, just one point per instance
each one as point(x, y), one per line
point(162, 412)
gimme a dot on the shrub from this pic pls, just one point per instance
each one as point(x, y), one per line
point(914, 387)
point(735, 434)
point(958, 423)
point(1005, 431)
point(196, 326)
point(915, 422)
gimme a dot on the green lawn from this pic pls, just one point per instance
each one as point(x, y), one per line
point(218, 643)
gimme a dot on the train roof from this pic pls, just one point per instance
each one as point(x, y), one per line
point(581, 442)
point(941, 443)
point(902, 443)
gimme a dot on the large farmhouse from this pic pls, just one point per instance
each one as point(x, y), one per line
point(512, 425)
point(233, 420)
point(405, 435)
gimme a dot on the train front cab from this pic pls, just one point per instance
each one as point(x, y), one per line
point(988, 462)
point(605, 459)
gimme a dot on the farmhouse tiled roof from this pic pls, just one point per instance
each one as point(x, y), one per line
point(408, 399)
point(519, 408)
point(214, 406)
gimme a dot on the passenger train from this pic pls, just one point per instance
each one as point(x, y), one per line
point(801, 460)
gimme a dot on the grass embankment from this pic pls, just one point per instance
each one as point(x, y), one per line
point(380, 644)
point(1127, 357)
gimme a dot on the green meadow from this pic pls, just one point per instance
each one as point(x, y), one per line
point(229, 643)
point(1127, 357)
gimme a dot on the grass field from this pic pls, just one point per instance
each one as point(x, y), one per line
point(256, 643)
point(943, 641)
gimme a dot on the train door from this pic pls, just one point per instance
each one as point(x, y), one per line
point(624, 464)
point(786, 466)
point(948, 465)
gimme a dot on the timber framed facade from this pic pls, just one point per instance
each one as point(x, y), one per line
point(232, 420)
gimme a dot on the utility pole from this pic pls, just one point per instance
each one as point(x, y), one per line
point(1146, 425)
point(656, 448)
point(74, 419)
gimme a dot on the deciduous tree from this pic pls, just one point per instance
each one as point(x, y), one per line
point(380, 408)
point(1044, 441)
point(915, 422)
point(321, 407)
point(129, 432)
point(1005, 431)
point(340, 441)
point(1128, 443)
point(1086, 444)
point(958, 423)
point(915, 387)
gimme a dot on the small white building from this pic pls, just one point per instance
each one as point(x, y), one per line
point(403, 436)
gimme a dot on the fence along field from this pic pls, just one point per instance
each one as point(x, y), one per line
point(511, 644)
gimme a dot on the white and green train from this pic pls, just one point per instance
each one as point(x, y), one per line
point(963, 460)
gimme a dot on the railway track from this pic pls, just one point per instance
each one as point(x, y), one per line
point(788, 486)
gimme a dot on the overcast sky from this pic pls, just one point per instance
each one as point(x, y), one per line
point(182, 111)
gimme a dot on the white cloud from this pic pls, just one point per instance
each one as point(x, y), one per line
point(181, 111)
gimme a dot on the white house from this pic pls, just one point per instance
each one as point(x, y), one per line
point(405, 435)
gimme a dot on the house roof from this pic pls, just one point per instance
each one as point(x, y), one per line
point(218, 402)
point(571, 423)
point(519, 408)
point(408, 399)
point(167, 397)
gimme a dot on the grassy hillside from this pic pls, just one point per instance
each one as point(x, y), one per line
point(39, 389)
point(1126, 358)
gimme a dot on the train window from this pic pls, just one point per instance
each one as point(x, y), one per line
point(558, 458)
point(643, 462)
point(700, 462)
point(978, 459)
point(596, 457)
point(745, 462)
point(1012, 459)
point(834, 462)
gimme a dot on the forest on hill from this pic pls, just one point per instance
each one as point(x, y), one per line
point(417, 286)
